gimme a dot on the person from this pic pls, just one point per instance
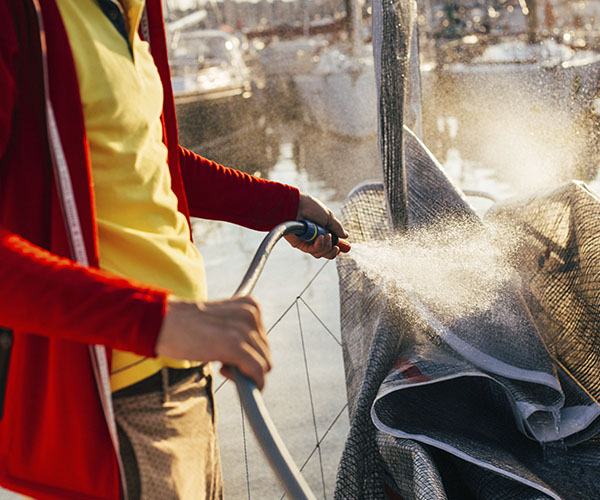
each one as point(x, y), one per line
point(106, 335)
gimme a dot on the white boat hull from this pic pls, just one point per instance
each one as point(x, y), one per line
point(342, 101)
point(522, 112)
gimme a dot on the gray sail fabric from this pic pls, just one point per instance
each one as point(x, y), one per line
point(560, 267)
point(496, 404)
point(393, 25)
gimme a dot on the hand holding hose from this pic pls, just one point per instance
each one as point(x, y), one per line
point(326, 245)
point(230, 331)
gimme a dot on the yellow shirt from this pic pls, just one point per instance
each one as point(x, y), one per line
point(142, 235)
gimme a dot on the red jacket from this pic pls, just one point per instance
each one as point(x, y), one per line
point(54, 439)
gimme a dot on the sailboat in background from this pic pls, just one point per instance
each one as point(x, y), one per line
point(337, 91)
point(220, 109)
point(502, 70)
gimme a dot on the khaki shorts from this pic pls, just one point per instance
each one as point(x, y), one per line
point(168, 437)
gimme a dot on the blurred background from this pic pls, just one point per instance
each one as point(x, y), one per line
point(285, 89)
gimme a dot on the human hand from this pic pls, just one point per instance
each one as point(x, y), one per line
point(229, 331)
point(312, 209)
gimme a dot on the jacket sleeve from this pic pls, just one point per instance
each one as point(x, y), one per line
point(8, 85)
point(53, 296)
point(220, 193)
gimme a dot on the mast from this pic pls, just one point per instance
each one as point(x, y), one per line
point(356, 21)
point(354, 24)
point(530, 10)
point(393, 26)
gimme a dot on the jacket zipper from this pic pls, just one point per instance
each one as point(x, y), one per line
point(78, 250)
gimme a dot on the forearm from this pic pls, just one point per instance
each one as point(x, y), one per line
point(48, 295)
point(220, 193)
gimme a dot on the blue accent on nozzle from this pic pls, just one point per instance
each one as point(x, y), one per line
point(313, 231)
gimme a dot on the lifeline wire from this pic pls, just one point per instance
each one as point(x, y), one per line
point(319, 320)
point(318, 440)
point(334, 421)
point(312, 403)
point(278, 320)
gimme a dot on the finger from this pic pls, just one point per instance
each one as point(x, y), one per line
point(311, 248)
point(335, 226)
point(246, 326)
point(332, 254)
point(253, 366)
point(261, 345)
point(344, 246)
point(242, 309)
point(257, 377)
point(225, 370)
point(248, 353)
point(293, 240)
point(326, 249)
point(322, 244)
point(233, 323)
point(248, 300)
point(249, 313)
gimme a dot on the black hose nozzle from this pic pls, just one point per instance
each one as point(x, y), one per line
point(312, 231)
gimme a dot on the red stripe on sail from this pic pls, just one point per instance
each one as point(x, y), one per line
point(390, 493)
point(410, 371)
